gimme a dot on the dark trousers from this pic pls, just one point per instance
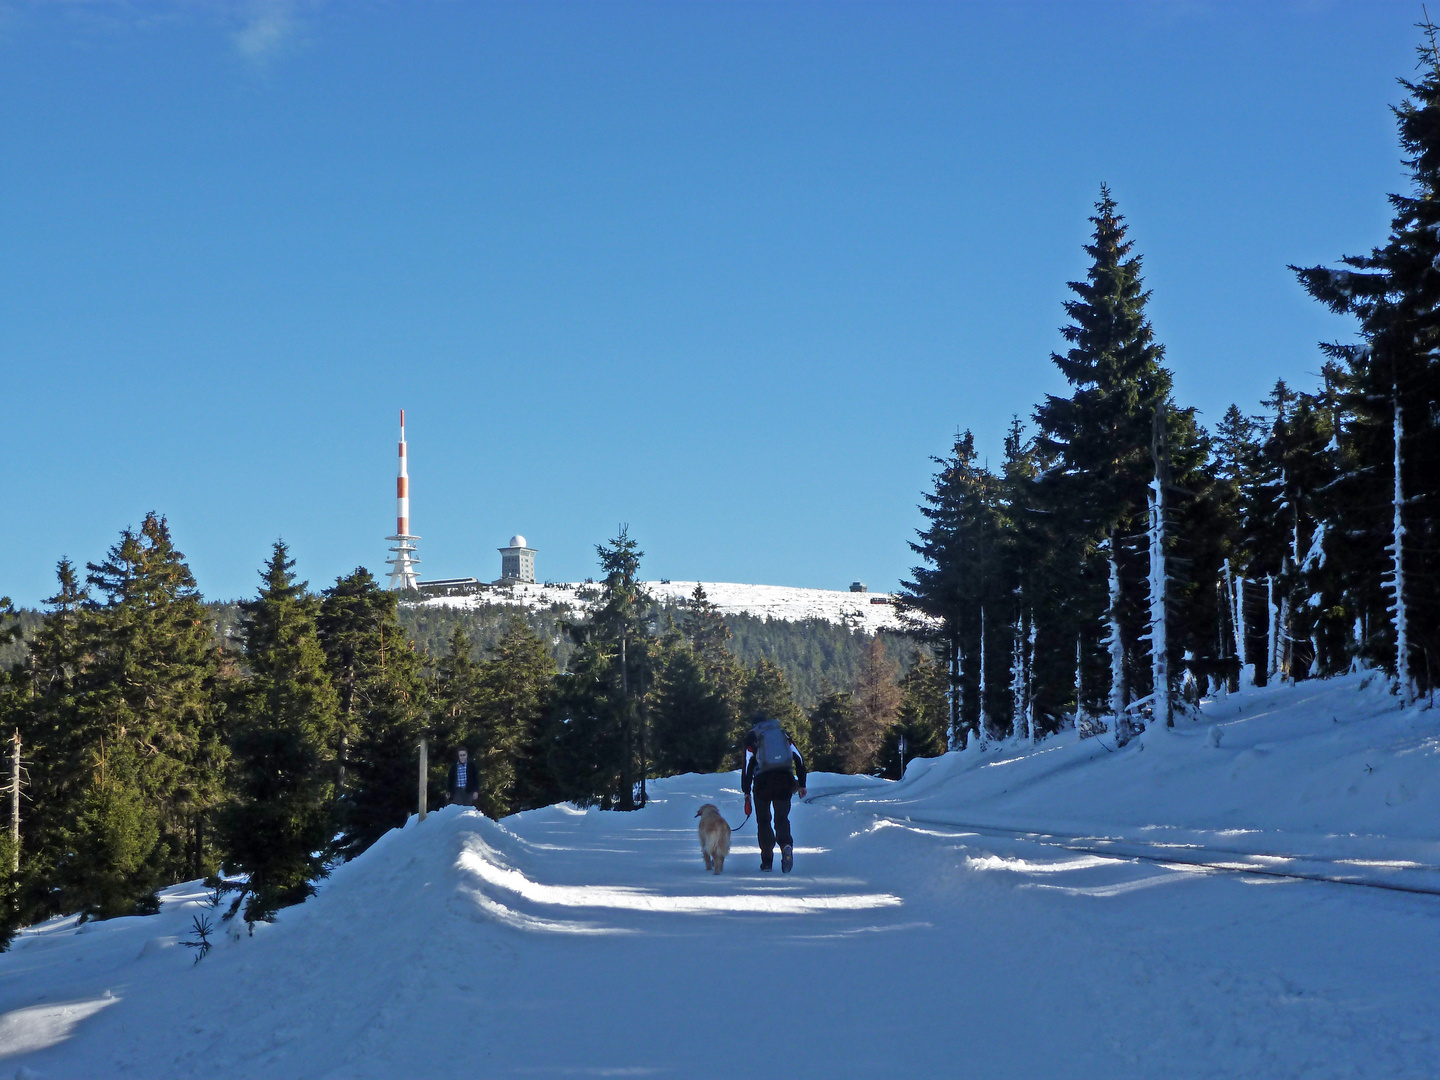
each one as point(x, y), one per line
point(773, 789)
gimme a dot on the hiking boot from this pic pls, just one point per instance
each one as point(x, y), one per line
point(787, 858)
point(767, 860)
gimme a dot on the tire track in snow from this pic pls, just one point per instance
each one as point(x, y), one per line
point(1165, 854)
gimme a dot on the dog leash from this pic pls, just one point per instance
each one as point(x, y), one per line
point(737, 828)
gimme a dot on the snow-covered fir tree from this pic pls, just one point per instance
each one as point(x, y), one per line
point(1391, 385)
point(1098, 440)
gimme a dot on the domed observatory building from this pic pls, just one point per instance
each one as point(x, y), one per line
point(517, 562)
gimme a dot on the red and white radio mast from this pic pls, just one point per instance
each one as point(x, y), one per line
point(402, 572)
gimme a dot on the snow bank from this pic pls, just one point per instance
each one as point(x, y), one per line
point(1332, 769)
point(566, 942)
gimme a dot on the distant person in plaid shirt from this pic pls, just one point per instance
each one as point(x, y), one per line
point(464, 779)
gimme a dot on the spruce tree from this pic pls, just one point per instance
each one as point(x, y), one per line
point(114, 859)
point(12, 693)
point(960, 577)
point(690, 719)
point(875, 699)
point(921, 718)
point(1100, 439)
point(382, 707)
point(597, 732)
point(1101, 434)
point(1195, 552)
point(146, 725)
point(455, 718)
point(517, 684)
point(278, 825)
point(1287, 504)
point(705, 629)
point(832, 727)
point(709, 636)
point(585, 735)
point(619, 622)
point(55, 656)
point(1390, 388)
point(55, 744)
point(350, 630)
point(934, 602)
point(1327, 582)
point(1032, 585)
point(1236, 452)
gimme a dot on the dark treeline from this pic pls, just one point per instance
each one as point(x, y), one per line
point(258, 743)
point(814, 655)
point(433, 627)
point(1124, 559)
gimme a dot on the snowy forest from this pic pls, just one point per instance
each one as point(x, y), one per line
point(155, 744)
point(1124, 561)
point(1121, 563)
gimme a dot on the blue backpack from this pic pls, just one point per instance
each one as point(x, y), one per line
point(772, 748)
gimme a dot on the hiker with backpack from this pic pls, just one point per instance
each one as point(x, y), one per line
point(777, 771)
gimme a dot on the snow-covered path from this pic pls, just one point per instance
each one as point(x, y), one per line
point(564, 943)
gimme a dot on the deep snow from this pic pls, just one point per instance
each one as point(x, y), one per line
point(906, 943)
point(860, 611)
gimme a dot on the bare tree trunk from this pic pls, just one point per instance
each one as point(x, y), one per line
point(15, 805)
point(1397, 572)
point(1272, 663)
point(200, 843)
point(424, 769)
point(644, 749)
point(1159, 638)
point(953, 649)
point(1117, 646)
point(1030, 684)
point(1162, 708)
point(982, 730)
point(627, 766)
point(1017, 678)
point(1237, 620)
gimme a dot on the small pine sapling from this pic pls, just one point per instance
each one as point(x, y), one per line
point(201, 928)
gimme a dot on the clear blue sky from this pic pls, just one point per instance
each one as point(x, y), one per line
point(730, 273)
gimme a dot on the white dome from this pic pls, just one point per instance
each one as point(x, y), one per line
point(517, 541)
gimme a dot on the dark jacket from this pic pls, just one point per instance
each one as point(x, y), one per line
point(472, 776)
point(747, 773)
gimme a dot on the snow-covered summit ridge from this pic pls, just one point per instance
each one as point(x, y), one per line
point(867, 611)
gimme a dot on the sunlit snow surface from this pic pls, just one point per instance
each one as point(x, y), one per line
point(1013, 913)
point(862, 611)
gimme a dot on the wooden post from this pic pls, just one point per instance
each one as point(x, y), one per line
point(424, 768)
point(15, 805)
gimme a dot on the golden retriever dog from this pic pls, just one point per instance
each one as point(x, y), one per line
point(714, 837)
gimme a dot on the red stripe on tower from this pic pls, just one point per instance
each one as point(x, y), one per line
point(402, 575)
point(402, 487)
